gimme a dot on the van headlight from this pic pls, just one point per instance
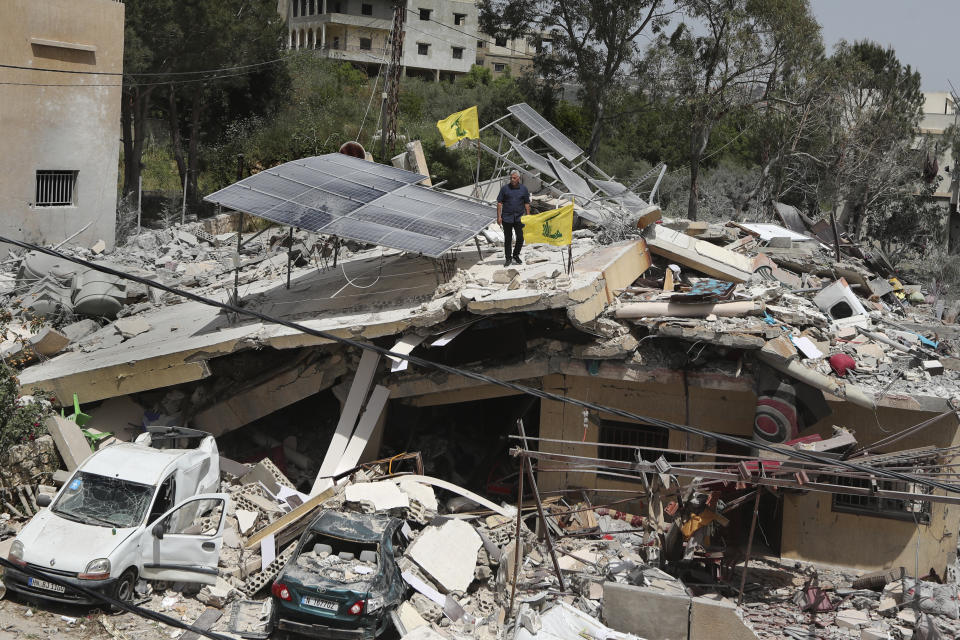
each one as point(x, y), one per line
point(15, 555)
point(373, 604)
point(98, 569)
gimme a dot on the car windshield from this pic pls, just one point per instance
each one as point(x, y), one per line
point(104, 501)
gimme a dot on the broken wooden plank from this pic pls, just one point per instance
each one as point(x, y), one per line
point(289, 519)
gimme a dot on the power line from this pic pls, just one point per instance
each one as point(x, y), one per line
point(156, 73)
point(480, 377)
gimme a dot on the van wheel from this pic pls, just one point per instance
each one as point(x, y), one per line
point(123, 590)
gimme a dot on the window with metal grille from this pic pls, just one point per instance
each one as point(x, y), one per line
point(56, 188)
point(366, 44)
point(458, 53)
point(879, 506)
point(498, 66)
point(613, 432)
point(423, 48)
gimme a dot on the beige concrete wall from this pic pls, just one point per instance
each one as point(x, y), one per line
point(811, 531)
point(71, 128)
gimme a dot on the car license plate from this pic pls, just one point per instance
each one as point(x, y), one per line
point(43, 584)
point(318, 603)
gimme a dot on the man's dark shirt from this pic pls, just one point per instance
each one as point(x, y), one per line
point(513, 199)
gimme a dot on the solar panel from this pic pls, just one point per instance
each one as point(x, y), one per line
point(627, 199)
point(534, 159)
point(348, 197)
point(547, 132)
point(577, 185)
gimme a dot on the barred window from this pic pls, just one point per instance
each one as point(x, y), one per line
point(879, 506)
point(56, 188)
point(613, 432)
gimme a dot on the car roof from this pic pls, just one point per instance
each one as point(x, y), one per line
point(133, 462)
point(362, 527)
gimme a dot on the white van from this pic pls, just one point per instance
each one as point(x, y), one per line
point(129, 511)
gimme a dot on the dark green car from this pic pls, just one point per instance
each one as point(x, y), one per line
point(343, 579)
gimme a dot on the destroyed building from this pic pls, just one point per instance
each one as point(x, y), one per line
point(709, 380)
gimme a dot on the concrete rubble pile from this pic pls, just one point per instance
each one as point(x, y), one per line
point(854, 328)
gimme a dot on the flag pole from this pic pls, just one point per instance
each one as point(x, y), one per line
point(573, 214)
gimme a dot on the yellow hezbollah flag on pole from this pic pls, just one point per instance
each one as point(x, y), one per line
point(550, 227)
point(462, 124)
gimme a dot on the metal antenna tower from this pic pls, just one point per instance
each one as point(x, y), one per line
point(388, 131)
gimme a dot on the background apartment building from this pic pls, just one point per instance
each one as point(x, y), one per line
point(60, 130)
point(440, 36)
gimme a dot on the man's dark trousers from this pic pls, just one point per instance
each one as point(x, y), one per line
point(510, 228)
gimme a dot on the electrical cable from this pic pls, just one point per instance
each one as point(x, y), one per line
point(480, 377)
point(152, 73)
point(119, 604)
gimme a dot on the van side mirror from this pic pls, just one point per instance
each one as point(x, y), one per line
point(158, 531)
point(44, 500)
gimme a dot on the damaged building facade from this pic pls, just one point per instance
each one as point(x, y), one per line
point(720, 391)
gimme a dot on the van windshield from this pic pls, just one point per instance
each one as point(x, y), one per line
point(104, 501)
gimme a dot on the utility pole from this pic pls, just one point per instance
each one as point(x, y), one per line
point(391, 93)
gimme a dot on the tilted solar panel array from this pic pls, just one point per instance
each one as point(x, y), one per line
point(534, 159)
point(547, 132)
point(339, 195)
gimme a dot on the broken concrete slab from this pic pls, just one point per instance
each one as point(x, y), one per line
point(381, 496)
point(620, 264)
point(422, 493)
point(70, 441)
point(131, 326)
point(646, 611)
point(49, 342)
point(698, 254)
point(717, 618)
point(410, 618)
point(448, 554)
point(245, 520)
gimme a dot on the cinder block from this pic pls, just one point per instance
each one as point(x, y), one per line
point(646, 612)
point(711, 619)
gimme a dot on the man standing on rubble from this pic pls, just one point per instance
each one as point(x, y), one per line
point(513, 201)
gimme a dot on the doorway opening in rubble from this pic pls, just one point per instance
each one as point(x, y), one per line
point(466, 443)
point(766, 540)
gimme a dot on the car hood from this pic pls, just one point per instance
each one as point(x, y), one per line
point(55, 542)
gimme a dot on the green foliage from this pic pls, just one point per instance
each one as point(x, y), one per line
point(21, 419)
point(477, 76)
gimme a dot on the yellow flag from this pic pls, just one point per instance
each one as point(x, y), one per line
point(462, 124)
point(550, 227)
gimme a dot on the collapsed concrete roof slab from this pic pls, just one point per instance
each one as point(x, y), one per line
point(400, 293)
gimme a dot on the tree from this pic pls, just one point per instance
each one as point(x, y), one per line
point(876, 106)
point(238, 37)
point(149, 34)
point(590, 41)
point(734, 57)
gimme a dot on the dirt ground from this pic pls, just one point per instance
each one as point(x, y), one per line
point(22, 619)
